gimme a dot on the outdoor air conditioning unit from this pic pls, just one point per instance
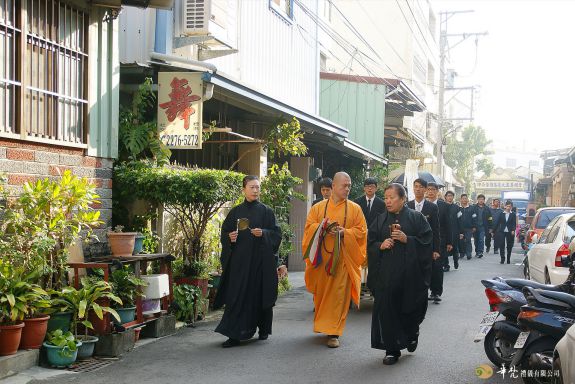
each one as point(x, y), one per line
point(196, 17)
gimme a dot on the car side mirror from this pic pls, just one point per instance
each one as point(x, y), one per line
point(535, 239)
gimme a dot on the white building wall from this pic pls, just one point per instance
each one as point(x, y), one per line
point(277, 56)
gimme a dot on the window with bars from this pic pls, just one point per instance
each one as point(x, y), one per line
point(9, 37)
point(49, 68)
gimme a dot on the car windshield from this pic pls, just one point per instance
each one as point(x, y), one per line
point(547, 215)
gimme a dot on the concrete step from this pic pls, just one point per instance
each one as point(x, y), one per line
point(10, 365)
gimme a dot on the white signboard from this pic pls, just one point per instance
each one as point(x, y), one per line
point(180, 109)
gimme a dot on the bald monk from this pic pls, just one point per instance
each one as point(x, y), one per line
point(334, 277)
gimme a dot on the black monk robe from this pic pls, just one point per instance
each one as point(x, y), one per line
point(399, 278)
point(249, 283)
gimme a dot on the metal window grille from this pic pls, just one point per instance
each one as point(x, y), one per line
point(54, 71)
point(9, 36)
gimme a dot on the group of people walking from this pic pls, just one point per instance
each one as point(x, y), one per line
point(404, 244)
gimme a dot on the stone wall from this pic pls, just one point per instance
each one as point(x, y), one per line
point(23, 161)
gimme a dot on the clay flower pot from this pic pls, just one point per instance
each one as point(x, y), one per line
point(122, 243)
point(34, 332)
point(10, 338)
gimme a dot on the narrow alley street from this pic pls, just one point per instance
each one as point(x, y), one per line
point(293, 354)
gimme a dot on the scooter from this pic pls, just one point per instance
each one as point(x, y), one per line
point(506, 299)
point(499, 335)
point(544, 321)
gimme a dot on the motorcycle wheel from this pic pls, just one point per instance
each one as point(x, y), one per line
point(557, 367)
point(499, 351)
point(537, 380)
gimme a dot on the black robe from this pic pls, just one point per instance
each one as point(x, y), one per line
point(249, 281)
point(399, 278)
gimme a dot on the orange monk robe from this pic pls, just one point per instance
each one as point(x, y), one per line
point(332, 294)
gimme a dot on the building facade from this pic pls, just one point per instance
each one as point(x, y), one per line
point(59, 93)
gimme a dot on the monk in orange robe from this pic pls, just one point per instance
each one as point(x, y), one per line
point(334, 284)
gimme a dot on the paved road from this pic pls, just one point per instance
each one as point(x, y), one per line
point(293, 354)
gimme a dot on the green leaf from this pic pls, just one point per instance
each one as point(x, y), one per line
point(11, 299)
point(82, 309)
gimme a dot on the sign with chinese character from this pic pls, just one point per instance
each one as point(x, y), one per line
point(180, 109)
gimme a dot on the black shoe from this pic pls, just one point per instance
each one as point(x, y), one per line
point(412, 345)
point(456, 264)
point(446, 269)
point(230, 343)
point(391, 359)
point(468, 257)
point(436, 299)
point(502, 261)
point(508, 261)
point(480, 256)
point(496, 251)
point(487, 250)
point(263, 336)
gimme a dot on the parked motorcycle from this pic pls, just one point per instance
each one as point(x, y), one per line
point(544, 321)
point(506, 299)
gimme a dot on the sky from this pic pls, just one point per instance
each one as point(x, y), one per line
point(525, 68)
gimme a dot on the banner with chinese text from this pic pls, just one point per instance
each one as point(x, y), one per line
point(180, 109)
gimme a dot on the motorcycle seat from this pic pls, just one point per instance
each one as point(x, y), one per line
point(520, 283)
point(559, 296)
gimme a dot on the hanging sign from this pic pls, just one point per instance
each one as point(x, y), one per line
point(180, 109)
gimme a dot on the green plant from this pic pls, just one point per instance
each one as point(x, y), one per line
point(192, 196)
point(126, 286)
point(49, 216)
point(283, 285)
point(189, 302)
point(211, 248)
point(467, 153)
point(284, 138)
point(18, 297)
point(277, 193)
point(151, 242)
point(138, 135)
point(66, 341)
point(82, 301)
point(116, 229)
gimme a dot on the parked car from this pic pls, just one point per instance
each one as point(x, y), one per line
point(564, 357)
point(542, 219)
point(547, 260)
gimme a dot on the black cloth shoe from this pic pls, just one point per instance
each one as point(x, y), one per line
point(480, 256)
point(412, 345)
point(446, 268)
point(502, 261)
point(391, 358)
point(431, 297)
point(436, 299)
point(230, 343)
point(468, 257)
point(263, 336)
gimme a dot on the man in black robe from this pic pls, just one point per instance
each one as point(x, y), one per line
point(325, 186)
point(399, 275)
point(249, 260)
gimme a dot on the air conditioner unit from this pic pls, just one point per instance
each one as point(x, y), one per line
point(196, 16)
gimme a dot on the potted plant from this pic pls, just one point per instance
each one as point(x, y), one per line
point(36, 319)
point(16, 294)
point(83, 301)
point(61, 348)
point(127, 287)
point(121, 243)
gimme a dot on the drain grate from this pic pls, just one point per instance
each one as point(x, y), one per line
point(90, 365)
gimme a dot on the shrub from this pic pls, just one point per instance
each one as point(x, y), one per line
point(45, 220)
point(191, 195)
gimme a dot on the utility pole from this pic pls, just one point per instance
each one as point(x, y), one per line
point(443, 51)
